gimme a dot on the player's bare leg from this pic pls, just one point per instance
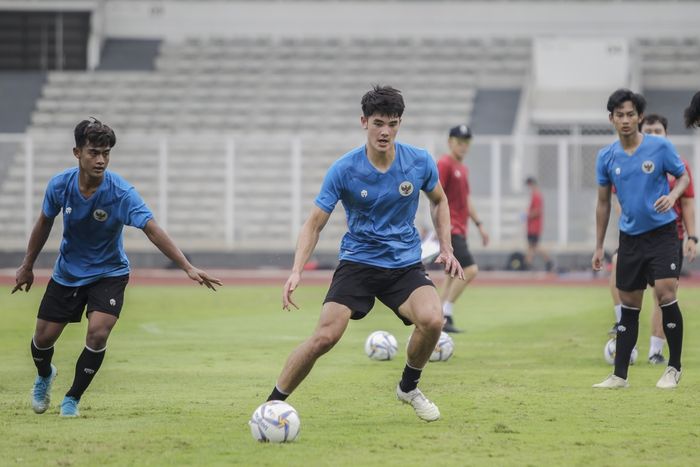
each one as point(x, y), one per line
point(422, 308)
point(451, 291)
point(657, 338)
point(330, 328)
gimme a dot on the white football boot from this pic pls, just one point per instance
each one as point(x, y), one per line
point(425, 409)
point(669, 379)
point(612, 382)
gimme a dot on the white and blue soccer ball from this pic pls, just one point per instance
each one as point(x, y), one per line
point(275, 422)
point(444, 348)
point(610, 349)
point(381, 345)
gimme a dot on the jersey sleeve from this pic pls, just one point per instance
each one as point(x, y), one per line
point(431, 174)
point(673, 163)
point(52, 204)
point(133, 210)
point(601, 168)
point(331, 190)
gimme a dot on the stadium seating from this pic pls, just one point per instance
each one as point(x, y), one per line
point(262, 92)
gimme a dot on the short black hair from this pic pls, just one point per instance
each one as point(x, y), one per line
point(623, 95)
point(94, 131)
point(383, 100)
point(653, 118)
point(692, 113)
point(530, 181)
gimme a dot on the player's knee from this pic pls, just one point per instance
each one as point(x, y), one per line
point(431, 322)
point(471, 272)
point(44, 340)
point(97, 338)
point(323, 342)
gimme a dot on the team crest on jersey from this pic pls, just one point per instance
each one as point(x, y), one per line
point(617, 171)
point(363, 193)
point(100, 215)
point(68, 210)
point(406, 188)
point(647, 167)
point(457, 174)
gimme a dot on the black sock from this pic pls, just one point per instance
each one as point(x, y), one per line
point(627, 333)
point(673, 328)
point(85, 369)
point(42, 359)
point(277, 395)
point(409, 378)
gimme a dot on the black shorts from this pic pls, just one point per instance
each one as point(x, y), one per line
point(63, 304)
point(533, 239)
point(641, 259)
point(356, 285)
point(461, 251)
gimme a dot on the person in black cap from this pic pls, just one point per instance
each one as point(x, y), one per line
point(454, 178)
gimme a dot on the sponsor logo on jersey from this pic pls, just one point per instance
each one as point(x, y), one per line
point(363, 193)
point(406, 188)
point(617, 171)
point(457, 173)
point(68, 210)
point(647, 167)
point(100, 215)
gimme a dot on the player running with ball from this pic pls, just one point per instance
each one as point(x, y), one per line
point(380, 255)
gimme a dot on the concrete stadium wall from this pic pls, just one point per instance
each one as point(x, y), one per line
point(158, 19)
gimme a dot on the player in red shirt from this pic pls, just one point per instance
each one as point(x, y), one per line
point(655, 124)
point(454, 178)
point(535, 215)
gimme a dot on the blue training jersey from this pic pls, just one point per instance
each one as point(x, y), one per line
point(380, 207)
point(92, 246)
point(639, 180)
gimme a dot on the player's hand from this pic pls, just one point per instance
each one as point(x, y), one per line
point(452, 266)
point(484, 236)
point(23, 277)
point(203, 278)
point(689, 250)
point(289, 287)
point(664, 203)
point(598, 258)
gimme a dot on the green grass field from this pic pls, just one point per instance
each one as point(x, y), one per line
point(185, 368)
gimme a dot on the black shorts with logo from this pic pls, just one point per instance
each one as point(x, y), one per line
point(64, 304)
point(356, 286)
point(641, 259)
point(461, 251)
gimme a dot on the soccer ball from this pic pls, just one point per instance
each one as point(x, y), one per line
point(275, 422)
point(444, 348)
point(609, 352)
point(381, 345)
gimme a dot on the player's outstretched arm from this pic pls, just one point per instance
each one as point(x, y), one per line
point(308, 238)
point(441, 220)
point(688, 215)
point(165, 244)
point(24, 277)
point(602, 217)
